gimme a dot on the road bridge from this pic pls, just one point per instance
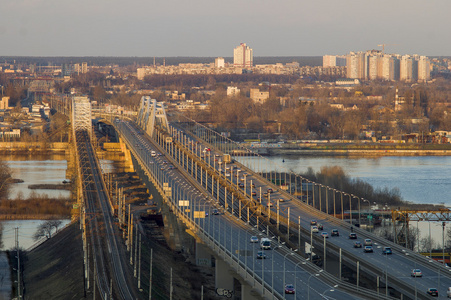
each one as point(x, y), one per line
point(208, 185)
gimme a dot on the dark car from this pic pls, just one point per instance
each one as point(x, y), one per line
point(270, 191)
point(320, 226)
point(335, 232)
point(357, 244)
point(254, 193)
point(261, 255)
point(313, 223)
point(215, 211)
point(289, 288)
point(353, 236)
point(241, 185)
point(433, 292)
point(387, 250)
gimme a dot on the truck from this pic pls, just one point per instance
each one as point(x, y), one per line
point(265, 244)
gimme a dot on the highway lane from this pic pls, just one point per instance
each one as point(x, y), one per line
point(216, 224)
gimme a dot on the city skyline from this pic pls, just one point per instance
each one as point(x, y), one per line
point(207, 28)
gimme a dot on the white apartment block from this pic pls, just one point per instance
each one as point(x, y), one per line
point(219, 62)
point(330, 61)
point(232, 91)
point(373, 65)
point(424, 69)
point(243, 56)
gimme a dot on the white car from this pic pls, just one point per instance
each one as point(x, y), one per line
point(315, 229)
point(254, 239)
point(416, 273)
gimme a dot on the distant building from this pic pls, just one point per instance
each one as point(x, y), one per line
point(259, 97)
point(4, 103)
point(219, 62)
point(408, 69)
point(81, 68)
point(424, 69)
point(330, 61)
point(232, 91)
point(243, 56)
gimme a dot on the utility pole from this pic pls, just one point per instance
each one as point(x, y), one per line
point(139, 264)
point(18, 263)
point(150, 275)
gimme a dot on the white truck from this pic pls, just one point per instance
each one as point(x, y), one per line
point(265, 244)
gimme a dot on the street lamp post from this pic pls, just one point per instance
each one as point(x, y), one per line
point(308, 283)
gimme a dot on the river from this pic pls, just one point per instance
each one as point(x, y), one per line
point(420, 179)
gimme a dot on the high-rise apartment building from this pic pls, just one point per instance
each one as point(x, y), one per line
point(243, 56)
point(408, 69)
point(330, 61)
point(424, 69)
point(357, 65)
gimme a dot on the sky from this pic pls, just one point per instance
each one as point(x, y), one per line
point(165, 28)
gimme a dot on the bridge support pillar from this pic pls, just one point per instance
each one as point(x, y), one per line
point(203, 255)
point(223, 277)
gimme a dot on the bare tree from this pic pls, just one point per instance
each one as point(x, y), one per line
point(45, 229)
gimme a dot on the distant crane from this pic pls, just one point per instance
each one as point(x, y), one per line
point(383, 47)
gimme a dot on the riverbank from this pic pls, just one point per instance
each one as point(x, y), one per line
point(357, 152)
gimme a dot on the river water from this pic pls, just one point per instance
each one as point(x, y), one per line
point(420, 179)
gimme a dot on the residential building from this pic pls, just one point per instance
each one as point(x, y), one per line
point(219, 62)
point(424, 69)
point(330, 61)
point(259, 97)
point(243, 56)
point(4, 103)
point(232, 91)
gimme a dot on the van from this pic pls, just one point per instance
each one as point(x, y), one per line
point(153, 153)
point(265, 244)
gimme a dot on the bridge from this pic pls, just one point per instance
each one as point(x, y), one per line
point(218, 177)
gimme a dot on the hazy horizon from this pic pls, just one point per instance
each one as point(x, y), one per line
point(205, 28)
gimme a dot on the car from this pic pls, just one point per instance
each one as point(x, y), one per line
point(215, 211)
point(253, 185)
point(368, 249)
point(261, 255)
point(353, 236)
point(254, 239)
point(320, 226)
point(448, 292)
point(241, 185)
point(254, 193)
point(289, 288)
point(315, 229)
point(416, 273)
point(357, 244)
point(270, 190)
point(313, 223)
point(387, 250)
point(324, 234)
point(335, 232)
point(270, 204)
point(281, 200)
point(368, 242)
point(265, 195)
point(432, 291)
